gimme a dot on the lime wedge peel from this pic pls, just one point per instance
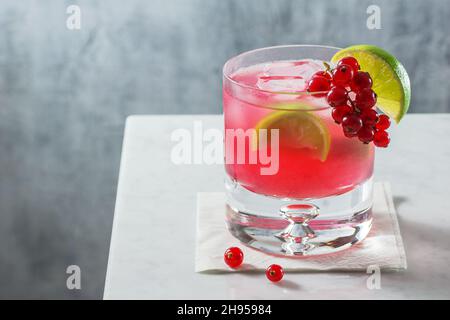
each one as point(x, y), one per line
point(299, 129)
point(390, 80)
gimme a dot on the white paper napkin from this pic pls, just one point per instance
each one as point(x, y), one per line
point(383, 246)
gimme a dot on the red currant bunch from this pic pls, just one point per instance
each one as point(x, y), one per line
point(348, 91)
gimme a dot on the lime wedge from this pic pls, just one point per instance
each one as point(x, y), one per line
point(297, 129)
point(390, 79)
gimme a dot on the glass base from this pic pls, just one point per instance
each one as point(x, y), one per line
point(299, 227)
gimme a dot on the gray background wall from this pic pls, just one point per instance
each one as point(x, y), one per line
point(64, 96)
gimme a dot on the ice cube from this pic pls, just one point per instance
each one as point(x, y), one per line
point(283, 68)
point(288, 75)
point(281, 83)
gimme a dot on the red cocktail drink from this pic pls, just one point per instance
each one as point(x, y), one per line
point(332, 166)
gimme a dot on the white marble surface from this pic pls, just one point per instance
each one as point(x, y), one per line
point(152, 244)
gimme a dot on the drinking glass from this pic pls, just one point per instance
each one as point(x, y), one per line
point(295, 184)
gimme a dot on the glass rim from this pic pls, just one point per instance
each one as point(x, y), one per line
point(250, 87)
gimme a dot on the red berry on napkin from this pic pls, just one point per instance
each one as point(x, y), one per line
point(233, 257)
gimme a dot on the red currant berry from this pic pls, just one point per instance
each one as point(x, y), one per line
point(233, 257)
point(274, 273)
point(318, 83)
point(350, 61)
point(337, 96)
point(342, 75)
point(352, 123)
point(365, 99)
point(324, 74)
point(383, 122)
point(350, 134)
point(365, 134)
point(369, 117)
point(340, 112)
point(361, 80)
point(381, 139)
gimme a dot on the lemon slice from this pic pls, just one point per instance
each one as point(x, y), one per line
point(390, 79)
point(297, 129)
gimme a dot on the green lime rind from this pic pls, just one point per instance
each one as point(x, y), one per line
point(390, 80)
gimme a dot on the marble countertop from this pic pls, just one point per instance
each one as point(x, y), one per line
point(153, 237)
